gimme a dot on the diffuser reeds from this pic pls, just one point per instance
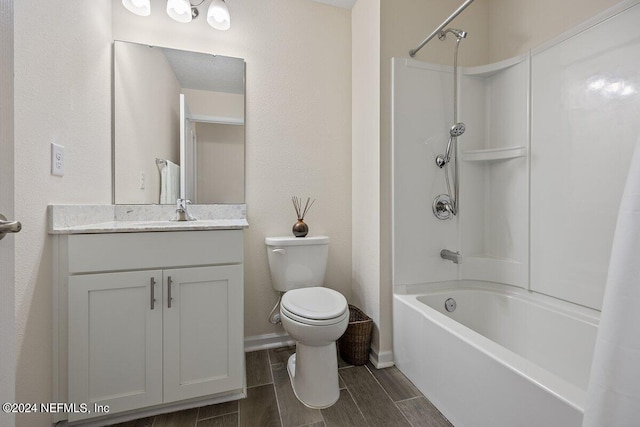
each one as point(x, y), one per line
point(297, 204)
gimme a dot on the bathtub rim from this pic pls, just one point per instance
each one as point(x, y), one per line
point(583, 313)
point(551, 383)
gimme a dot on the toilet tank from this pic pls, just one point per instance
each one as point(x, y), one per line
point(297, 262)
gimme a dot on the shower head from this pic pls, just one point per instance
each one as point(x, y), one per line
point(457, 130)
point(460, 34)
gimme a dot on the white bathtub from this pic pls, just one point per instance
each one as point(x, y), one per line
point(505, 357)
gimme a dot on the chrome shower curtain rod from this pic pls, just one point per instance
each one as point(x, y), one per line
point(464, 5)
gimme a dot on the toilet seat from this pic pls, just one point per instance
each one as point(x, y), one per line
point(315, 306)
point(312, 322)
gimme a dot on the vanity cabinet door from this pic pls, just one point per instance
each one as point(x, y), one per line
point(115, 341)
point(203, 331)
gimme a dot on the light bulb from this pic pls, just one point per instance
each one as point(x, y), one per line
point(218, 15)
point(180, 10)
point(139, 7)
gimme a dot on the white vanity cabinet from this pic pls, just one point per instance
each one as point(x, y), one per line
point(204, 314)
point(151, 319)
point(115, 341)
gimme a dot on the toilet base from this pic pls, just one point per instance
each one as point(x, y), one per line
point(313, 371)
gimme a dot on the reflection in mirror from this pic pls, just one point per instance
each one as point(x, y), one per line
point(178, 126)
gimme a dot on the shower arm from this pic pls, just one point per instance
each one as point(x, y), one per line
point(413, 52)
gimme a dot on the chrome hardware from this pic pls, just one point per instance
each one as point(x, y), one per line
point(451, 256)
point(182, 214)
point(169, 281)
point(438, 30)
point(279, 251)
point(442, 207)
point(153, 296)
point(460, 34)
point(8, 226)
point(450, 305)
point(457, 130)
point(443, 160)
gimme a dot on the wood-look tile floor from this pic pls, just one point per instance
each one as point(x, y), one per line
point(368, 397)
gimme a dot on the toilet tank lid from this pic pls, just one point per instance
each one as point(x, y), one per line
point(296, 241)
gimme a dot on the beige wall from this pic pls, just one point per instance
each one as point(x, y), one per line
point(405, 23)
point(147, 121)
point(298, 123)
point(220, 163)
point(519, 25)
point(365, 159)
point(62, 95)
point(217, 104)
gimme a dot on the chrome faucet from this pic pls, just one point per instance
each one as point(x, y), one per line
point(456, 257)
point(182, 214)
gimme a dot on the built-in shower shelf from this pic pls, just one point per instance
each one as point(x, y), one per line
point(491, 69)
point(489, 154)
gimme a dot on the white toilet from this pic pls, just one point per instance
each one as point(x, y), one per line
point(312, 315)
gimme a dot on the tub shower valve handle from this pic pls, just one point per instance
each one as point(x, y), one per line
point(443, 207)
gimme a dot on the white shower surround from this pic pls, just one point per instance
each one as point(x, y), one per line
point(491, 229)
point(544, 160)
point(565, 148)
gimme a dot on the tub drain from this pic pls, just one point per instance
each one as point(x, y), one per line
point(450, 305)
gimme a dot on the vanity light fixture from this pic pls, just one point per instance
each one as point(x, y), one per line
point(218, 15)
point(184, 11)
point(179, 10)
point(139, 7)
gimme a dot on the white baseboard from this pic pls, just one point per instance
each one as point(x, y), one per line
point(282, 339)
point(262, 342)
point(381, 359)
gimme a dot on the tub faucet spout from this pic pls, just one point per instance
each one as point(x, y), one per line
point(456, 257)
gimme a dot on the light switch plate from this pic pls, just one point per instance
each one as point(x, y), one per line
point(57, 159)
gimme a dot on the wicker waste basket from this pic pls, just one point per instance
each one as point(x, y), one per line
point(355, 343)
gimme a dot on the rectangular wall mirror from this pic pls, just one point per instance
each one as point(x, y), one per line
point(178, 126)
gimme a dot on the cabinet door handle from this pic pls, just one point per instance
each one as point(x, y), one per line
point(169, 292)
point(153, 292)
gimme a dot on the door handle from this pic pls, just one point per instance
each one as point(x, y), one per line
point(169, 281)
point(8, 226)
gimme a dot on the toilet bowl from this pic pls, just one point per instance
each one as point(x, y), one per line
point(314, 316)
point(313, 369)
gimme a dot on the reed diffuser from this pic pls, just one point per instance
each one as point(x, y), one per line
point(300, 229)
